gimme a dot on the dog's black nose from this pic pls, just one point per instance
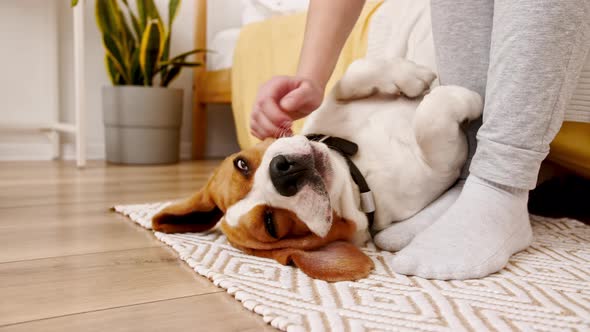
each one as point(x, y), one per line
point(287, 174)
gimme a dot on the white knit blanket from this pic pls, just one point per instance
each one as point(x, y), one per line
point(402, 28)
point(544, 288)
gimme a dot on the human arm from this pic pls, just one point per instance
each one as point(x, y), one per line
point(284, 99)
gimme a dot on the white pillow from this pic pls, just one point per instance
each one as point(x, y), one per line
point(260, 10)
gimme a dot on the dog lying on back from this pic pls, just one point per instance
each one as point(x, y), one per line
point(295, 200)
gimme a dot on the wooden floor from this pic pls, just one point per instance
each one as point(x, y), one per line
point(69, 264)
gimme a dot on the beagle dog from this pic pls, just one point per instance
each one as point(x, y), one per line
point(305, 199)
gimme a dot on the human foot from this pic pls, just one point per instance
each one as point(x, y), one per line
point(474, 238)
point(398, 235)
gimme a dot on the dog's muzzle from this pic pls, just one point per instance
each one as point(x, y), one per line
point(288, 173)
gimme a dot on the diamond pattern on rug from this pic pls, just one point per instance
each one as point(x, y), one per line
point(544, 288)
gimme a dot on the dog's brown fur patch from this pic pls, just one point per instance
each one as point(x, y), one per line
point(331, 258)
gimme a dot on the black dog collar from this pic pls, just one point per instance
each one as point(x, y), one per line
point(348, 149)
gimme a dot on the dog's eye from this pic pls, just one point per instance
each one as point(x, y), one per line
point(241, 165)
point(269, 224)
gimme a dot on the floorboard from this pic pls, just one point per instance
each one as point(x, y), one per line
point(43, 288)
point(210, 312)
point(68, 263)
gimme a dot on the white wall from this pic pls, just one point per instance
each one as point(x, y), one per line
point(29, 79)
point(37, 79)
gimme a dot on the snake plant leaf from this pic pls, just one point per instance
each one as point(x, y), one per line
point(170, 76)
point(147, 11)
point(142, 14)
point(182, 56)
point(118, 74)
point(182, 64)
point(108, 17)
point(134, 22)
point(115, 50)
point(112, 70)
point(150, 50)
point(137, 42)
point(188, 64)
point(153, 11)
point(165, 53)
point(128, 37)
point(136, 74)
point(173, 6)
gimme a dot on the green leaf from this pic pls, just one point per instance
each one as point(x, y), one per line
point(170, 76)
point(138, 43)
point(150, 50)
point(177, 62)
point(116, 68)
point(136, 73)
point(153, 12)
point(74, 3)
point(147, 11)
point(112, 70)
point(134, 22)
point(108, 17)
point(115, 50)
point(181, 63)
point(142, 13)
point(182, 56)
point(165, 54)
point(173, 6)
point(128, 37)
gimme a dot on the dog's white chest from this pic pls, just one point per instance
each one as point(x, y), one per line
point(410, 150)
point(388, 153)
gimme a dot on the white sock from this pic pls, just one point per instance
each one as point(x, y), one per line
point(398, 235)
point(475, 237)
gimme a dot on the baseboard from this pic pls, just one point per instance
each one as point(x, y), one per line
point(43, 151)
point(94, 151)
point(97, 151)
point(25, 151)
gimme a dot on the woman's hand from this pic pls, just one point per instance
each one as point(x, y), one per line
point(282, 100)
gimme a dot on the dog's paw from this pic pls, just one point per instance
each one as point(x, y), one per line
point(366, 77)
point(411, 79)
point(467, 104)
point(359, 81)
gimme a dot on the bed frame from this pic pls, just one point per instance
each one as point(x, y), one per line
point(209, 87)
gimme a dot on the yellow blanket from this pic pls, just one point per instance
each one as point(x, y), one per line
point(571, 147)
point(272, 48)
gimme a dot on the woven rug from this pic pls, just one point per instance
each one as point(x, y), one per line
point(545, 288)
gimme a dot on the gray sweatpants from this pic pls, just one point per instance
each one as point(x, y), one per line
point(525, 57)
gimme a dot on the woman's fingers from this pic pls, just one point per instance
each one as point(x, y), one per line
point(295, 99)
point(269, 121)
point(275, 114)
point(280, 101)
point(302, 100)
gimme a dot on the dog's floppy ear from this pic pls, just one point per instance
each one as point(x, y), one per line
point(195, 214)
point(337, 261)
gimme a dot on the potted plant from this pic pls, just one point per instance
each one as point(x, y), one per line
point(142, 116)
